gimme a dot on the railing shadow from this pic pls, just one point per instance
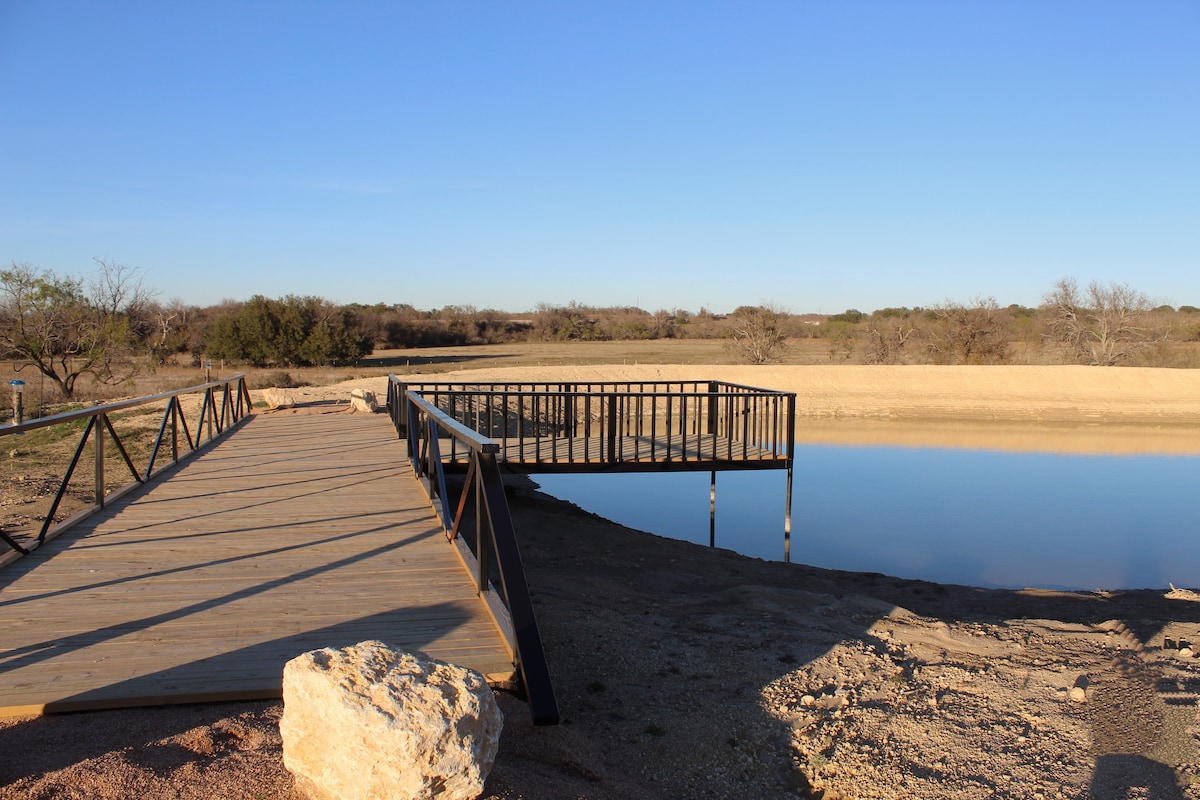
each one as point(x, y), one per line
point(17, 657)
point(29, 747)
point(703, 632)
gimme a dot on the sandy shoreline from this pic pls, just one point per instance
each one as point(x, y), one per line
point(1073, 394)
point(1067, 409)
point(689, 672)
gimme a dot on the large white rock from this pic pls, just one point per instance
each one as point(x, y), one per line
point(363, 400)
point(279, 398)
point(370, 721)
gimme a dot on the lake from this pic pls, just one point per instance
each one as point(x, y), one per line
point(978, 513)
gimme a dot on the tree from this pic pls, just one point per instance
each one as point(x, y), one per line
point(887, 331)
point(1102, 326)
point(971, 334)
point(66, 331)
point(757, 333)
point(293, 331)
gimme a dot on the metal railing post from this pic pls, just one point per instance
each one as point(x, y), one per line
point(612, 428)
point(482, 529)
point(713, 388)
point(98, 449)
point(99, 419)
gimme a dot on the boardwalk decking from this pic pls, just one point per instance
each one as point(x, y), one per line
point(298, 531)
point(624, 453)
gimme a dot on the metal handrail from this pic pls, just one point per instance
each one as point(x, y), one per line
point(701, 425)
point(423, 427)
point(215, 417)
point(682, 423)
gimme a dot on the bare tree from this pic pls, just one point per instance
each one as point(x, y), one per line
point(887, 331)
point(65, 331)
point(118, 289)
point(757, 333)
point(971, 334)
point(1102, 326)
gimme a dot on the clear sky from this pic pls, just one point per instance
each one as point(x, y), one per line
point(820, 155)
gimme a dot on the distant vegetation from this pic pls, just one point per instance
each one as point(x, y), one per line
point(111, 325)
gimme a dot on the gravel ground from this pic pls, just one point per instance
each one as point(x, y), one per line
point(687, 672)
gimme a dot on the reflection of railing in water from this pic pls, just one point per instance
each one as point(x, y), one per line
point(224, 403)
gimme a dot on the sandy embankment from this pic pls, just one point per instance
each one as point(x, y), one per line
point(1021, 393)
point(1030, 408)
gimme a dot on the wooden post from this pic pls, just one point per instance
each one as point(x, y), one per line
point(18, 406)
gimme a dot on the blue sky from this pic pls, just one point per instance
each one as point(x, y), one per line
point(818, 155)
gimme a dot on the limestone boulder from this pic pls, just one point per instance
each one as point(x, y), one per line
point(371, 721)
point(363, 400)
point(279, 398)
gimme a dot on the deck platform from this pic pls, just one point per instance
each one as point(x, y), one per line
point(297, 532)
point(660, 453)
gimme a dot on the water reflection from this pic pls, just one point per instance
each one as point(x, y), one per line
point(1011, 516)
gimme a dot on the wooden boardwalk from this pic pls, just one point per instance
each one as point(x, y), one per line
point(299, 531)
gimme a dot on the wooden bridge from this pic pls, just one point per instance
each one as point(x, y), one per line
point(308, 530)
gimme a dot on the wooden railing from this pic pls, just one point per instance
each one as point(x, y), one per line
point(640, 425)
point(223, 404)
point(481, 502)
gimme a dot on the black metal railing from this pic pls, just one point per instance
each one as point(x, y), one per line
point(481, 501)
point(664, 424)
point(223, 404)
point(621, 426)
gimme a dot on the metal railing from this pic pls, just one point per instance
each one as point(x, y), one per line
point(481, 501)
point(667, 424)
point(629, 426)
point(224, 403)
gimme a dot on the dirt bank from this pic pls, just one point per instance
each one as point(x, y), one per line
point(688, 672)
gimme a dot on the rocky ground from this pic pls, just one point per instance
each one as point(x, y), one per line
point(688, 672)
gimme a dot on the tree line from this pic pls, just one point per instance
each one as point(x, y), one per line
point(109, 325)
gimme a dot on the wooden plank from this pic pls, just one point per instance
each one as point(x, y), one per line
point(297, 532)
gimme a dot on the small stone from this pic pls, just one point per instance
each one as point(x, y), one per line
point(1078, 694)
point(808, 700)
point(1186, 652)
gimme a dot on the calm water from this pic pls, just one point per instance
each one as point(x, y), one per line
point(978, 517)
